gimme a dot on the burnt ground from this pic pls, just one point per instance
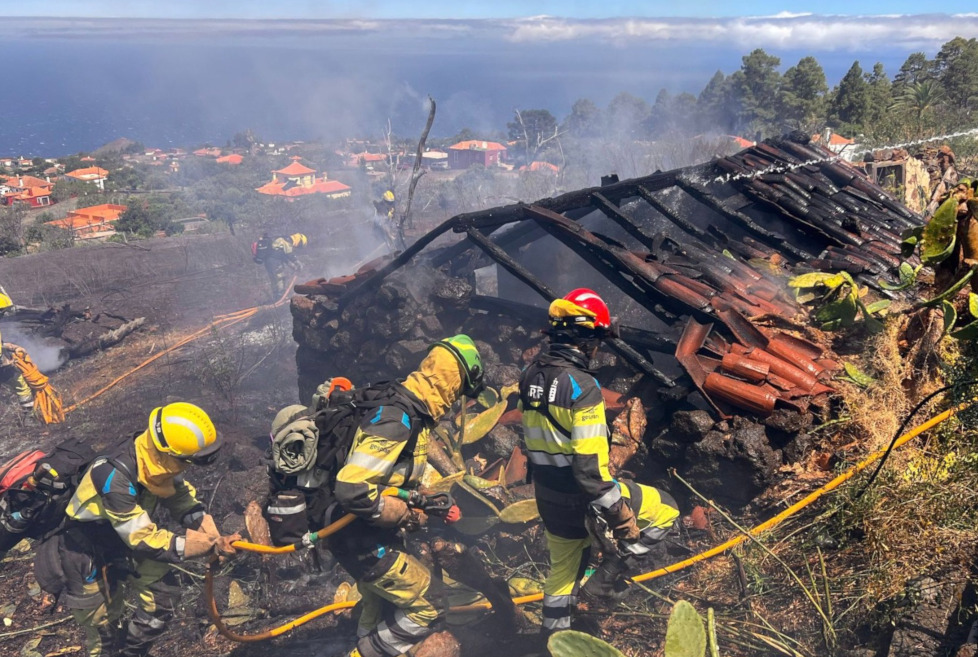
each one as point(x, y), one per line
point(241, 375)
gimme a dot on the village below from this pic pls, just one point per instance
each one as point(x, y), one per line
point(790, 271)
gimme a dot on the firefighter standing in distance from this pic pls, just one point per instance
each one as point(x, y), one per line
point(390, 450)
point(278, 256)
point(112, 541)
point(566, 436)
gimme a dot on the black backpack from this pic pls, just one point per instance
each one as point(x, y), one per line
point(292, 507)
point(34, 505)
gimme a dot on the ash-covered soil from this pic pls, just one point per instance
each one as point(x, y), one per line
point(241, 375)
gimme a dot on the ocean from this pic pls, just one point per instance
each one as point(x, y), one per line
point(75, 93)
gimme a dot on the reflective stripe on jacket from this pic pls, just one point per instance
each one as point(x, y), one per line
point(378, 459)
point(565, 427)
point(110, 492)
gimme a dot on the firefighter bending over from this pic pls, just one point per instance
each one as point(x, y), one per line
point(35, 394)
point(566, 434)
point(111, 540)
point(390, 450)
point(278, 256)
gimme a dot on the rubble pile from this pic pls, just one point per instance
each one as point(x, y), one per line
point(698, 257)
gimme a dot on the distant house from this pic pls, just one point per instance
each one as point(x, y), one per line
point(232, 160)
point(369, 161)
point(94, 175)
point(91, 222)
point(25, 190)
point(836, 143)
point(467, 153)
point(299, 180)
point(208, 152)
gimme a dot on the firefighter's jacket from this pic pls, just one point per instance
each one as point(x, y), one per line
point(123, 490)
point(391, 445)
point(565, 428)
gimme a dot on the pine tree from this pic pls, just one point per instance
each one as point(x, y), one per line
point(849, 109)
point(803, 90)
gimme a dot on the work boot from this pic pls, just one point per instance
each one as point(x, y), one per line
point(607, 586)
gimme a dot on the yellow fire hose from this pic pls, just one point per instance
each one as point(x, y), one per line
point(536, 597)
point(219, 322)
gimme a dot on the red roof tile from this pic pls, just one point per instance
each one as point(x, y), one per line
point(295, 169)
point(477, 145)
point(88, 173)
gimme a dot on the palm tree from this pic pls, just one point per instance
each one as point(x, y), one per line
point(919, 100)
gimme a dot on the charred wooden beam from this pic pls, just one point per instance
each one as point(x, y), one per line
point(646, 278)
point(615, 213)
point(575, 200)
point(632, 335)
point(674, 217)
point(513, 267)
point(405, 257)
point(768, 237)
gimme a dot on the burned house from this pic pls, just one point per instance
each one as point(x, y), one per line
point(693, 261)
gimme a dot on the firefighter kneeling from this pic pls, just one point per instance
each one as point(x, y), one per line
point(111, 540)
point(390, 450)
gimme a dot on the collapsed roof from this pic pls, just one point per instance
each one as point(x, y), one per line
point(694, 247)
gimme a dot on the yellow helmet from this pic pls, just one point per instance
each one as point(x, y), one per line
point(298, 239)
point(389, 196)
point(6, 303)
point(184, 431)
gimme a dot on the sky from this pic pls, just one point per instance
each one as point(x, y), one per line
point(178, 72)
point(482, 9)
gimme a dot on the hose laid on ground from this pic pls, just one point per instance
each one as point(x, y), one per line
point(771, 523)
point(220, 322)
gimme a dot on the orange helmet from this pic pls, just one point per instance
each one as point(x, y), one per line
point(580, 309)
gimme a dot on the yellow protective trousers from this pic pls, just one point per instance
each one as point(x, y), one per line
point(569, 542)
point(394, 612)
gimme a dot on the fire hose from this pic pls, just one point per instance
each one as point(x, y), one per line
point(769, 524)
point(220, 321)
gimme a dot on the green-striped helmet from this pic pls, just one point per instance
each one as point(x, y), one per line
point(465, 352)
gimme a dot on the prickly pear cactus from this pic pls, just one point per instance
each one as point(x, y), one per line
point(685, 634)
point(568, 643)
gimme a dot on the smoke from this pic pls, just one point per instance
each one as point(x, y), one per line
point(48, 354)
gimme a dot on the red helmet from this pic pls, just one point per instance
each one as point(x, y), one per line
point(580, 308)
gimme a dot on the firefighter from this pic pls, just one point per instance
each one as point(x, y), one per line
point(567, 442)
point(278, 256)
point(12, 378)
point(385, 206)
point(111, 540)
point(390, 450)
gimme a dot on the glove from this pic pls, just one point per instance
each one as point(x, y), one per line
point(208, 527)
point(417, 519)
point(394, 512)
point(197, 544)
point(223, 545)
point(621, 522)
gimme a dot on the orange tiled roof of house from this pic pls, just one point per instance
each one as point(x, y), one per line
point(208, 152)
point(318, 187)
point(835, 139)
point(88, 173)
point(232, 159)
point(106, 211)
point(93, 221)
point(25, 182)
point(32, 192)
point(295, 169)
point(477, 145)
